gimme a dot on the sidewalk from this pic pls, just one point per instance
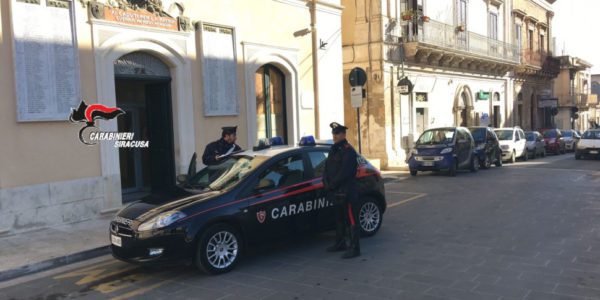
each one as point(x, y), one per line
point(35, 251)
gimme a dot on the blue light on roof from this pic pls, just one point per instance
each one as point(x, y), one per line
point(276, 141)
point(308, 140)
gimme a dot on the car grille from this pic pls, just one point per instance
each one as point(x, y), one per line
point(121, 230)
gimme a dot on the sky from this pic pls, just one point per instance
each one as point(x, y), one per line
point(575, 30)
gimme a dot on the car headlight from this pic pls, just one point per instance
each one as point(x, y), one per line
point(162, 220)
point(446, 150)
point(579, 146)
point(414, 151)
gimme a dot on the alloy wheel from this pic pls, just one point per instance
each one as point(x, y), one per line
point(222, 249)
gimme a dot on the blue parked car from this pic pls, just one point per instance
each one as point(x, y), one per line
point(449, 148)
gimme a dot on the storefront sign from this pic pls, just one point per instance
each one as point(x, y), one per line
point(548, 102)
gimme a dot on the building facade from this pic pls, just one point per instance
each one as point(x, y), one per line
point(533, 77)
point(573, 87)
point(458, 54)
point(178, 70)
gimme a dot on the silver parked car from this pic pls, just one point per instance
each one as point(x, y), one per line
point(535, 144)
point(571, 138)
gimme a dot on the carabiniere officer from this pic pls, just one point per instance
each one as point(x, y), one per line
point(217, 150)
point(339, 180)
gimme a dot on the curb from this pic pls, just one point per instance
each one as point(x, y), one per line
point(52, 263)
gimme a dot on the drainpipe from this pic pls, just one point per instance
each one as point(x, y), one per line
point(315, 61)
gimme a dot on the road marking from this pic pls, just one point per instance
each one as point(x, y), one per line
point(144, 289)
point(415, 197)
point(121, 283)
point(93, 274)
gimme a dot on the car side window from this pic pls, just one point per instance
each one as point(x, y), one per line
point(317, 161)
point(285, 172)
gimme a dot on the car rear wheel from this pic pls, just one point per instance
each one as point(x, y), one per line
point(513, 157)
point(525, 155)
point(413, 172)
point(498, 162)
point(534, 153)
point(577, 156)
point(219, 249)
point(369, 217)
point(487, 162)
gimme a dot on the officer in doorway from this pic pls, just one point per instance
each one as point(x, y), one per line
point(218, 150)
point(339, 180)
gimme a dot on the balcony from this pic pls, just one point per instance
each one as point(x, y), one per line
point(533, 57)
point(538, 63)
point(443, 45)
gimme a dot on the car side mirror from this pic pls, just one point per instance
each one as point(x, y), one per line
point(264, 184)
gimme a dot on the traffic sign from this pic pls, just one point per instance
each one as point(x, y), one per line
point(356, 96)
point(358, 77)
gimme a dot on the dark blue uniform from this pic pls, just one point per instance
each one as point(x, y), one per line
point(215, 149)
point(339, 180)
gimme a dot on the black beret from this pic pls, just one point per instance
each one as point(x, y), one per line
point(337, 128)
point(229, 129)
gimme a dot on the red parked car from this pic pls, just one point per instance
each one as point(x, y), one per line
point(555, 143)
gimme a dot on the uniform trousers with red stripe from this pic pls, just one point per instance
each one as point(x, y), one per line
point(346, 216)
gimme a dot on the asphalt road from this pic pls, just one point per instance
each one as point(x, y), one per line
point(530, 230)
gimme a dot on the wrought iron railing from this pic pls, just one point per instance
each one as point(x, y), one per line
point(449, 36)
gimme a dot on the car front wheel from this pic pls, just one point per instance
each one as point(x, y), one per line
point(369, 217)
point(219, 249)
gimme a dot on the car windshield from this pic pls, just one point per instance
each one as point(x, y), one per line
point(436, 137)
point(567, 133)
point(504, 134)
point(226, 174)
point(478, 134)
point(550, 134)
point(530, 136)
point(591, 135)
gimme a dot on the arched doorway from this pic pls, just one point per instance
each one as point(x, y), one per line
point(271, 110)
point(463, 107)
point(142, 90)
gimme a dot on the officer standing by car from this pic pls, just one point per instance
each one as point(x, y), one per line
point(216, 150)
point(339, 180)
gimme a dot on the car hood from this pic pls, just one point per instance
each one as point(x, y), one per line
point(589, 143)
point(431, 149)
point(155, 204)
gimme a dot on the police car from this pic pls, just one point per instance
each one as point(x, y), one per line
point(251, 197)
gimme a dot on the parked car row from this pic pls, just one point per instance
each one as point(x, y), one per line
point(455, 148)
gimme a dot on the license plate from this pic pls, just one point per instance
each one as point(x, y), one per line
point(428, 163)
point(593, 152)
point(115, 240)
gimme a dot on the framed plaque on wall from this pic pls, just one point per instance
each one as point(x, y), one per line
point(219, 70)
point(46, 61)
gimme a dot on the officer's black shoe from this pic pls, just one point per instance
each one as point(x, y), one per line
point(337, 247)
point(350, 253)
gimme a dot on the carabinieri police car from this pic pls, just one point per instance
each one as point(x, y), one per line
point(252, 197)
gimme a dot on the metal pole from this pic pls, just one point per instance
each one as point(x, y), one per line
point(358, 121)
point(315, 62)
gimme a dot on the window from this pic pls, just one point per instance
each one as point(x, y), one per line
point(518, 36)
point(530, 38)
point(542, 42)
point(317, 161)
point(494, 26)
point(286, 172)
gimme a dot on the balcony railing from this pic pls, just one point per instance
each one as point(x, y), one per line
point(533, 57)
point(448, 36)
